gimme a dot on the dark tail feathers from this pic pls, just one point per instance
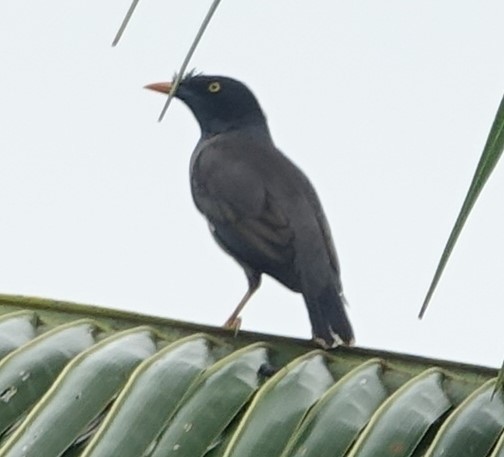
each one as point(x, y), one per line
point(330, 324)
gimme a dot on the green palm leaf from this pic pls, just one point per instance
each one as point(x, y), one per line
point(489, 158)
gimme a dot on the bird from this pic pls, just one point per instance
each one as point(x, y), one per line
point(260, 207)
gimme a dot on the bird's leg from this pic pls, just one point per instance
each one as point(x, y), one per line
point(254, 281)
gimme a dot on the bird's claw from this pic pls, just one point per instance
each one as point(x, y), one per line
point(233, 323)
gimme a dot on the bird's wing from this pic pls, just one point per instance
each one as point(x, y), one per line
point(314, 202)
point(326, 233)
point(246, 219)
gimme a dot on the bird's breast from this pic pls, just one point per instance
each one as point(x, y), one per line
point(198, 181)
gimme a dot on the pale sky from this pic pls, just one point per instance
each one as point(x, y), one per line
point(385, 105)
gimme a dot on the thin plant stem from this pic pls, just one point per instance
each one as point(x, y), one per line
point(194, 44)
point(125, 22)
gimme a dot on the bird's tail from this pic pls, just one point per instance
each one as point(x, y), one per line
point(329, 321)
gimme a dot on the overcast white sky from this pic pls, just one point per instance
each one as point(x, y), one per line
point(385, 105)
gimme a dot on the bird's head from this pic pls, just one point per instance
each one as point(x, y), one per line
point(220, 104)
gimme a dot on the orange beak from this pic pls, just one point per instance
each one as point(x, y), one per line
point(164, 88)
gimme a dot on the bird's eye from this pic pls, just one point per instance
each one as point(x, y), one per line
point(214, 87)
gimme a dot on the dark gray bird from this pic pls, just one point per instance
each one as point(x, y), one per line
point(261, 208)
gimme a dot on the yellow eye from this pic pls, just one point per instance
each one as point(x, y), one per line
point(214, 87)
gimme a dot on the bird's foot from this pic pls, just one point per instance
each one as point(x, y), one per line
point(233, 323)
